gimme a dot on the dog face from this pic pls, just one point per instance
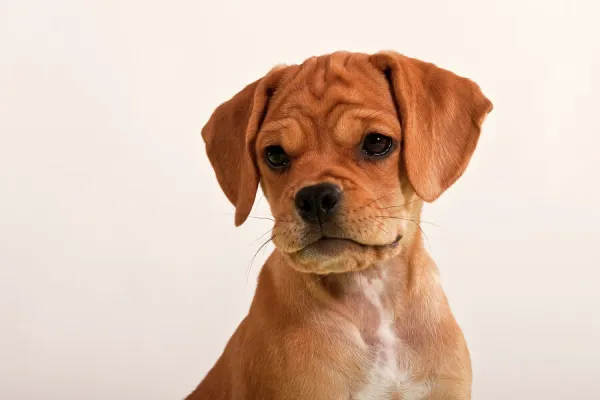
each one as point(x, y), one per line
point(345, 146)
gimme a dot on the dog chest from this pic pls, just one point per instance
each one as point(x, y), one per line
point(384, 378)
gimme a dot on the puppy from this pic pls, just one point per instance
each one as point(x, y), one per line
point(346, 147)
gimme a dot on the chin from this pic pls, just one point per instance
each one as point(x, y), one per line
point(327, 256)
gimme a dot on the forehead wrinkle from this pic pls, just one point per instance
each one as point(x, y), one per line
point(320, 73)
point(300, 102)
point(339, 61)
point(317, 75)
point(289, 133)
point(341, 95)
point(346, 130)
point(313, 81)
point(360, 120)
point(297, 111)
point(322, 90)
point(342, 99)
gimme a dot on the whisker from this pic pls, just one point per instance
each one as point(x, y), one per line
point(359, 111)
point(398, 206)
point(373, 114)
point(310, 284)
point(259, 200)
point(280, 124)
point(406, 219)
point(272, 219)
point(253, 216)
point(262, 246)
point(423, 232)
point(379, 225)
point(375, 200)
point(267, 218)
point(303, 238)
point(262, 236)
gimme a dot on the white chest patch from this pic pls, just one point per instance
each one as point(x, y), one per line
point(385, 379)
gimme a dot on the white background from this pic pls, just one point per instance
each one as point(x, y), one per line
point(121, 274)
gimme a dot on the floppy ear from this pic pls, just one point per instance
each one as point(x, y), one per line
point(440, 115)
point(230, 135)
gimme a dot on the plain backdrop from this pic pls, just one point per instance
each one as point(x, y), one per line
point(121, 273)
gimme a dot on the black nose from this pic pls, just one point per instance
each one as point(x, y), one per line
point(318, 203)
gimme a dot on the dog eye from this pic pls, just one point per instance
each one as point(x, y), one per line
point(376, 144)
point(276, 157)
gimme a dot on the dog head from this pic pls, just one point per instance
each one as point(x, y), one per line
point(345, 147)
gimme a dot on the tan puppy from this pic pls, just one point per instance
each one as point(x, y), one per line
point(349, 306)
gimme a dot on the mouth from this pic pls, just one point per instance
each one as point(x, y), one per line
point(332, 246)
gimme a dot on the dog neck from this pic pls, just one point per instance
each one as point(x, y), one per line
point(394, 281)
point(399, 273)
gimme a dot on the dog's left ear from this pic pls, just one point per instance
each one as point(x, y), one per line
point(440, 115)
point(230, 137)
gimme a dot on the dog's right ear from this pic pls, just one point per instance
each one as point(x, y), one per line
point(230, 136)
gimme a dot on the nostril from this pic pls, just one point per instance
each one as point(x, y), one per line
point(317, 203)
point(328, 202)
point(305, 205)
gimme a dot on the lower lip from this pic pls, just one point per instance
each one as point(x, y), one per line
point(334, 246)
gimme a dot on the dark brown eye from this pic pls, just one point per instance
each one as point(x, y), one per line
point(276, 157)
point(376, 144)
